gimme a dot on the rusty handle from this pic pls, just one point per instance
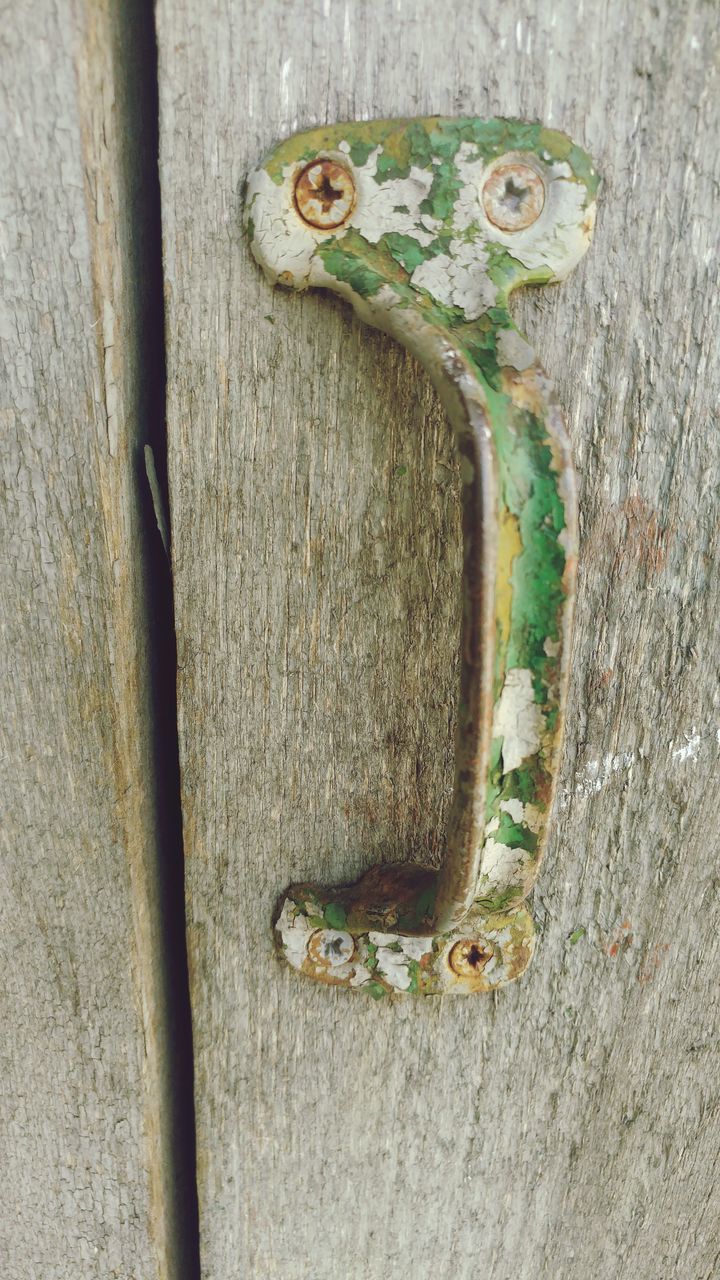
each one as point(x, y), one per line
point(426, 227)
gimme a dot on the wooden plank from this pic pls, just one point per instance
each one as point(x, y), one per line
point(569, 1126)
point(83, 1090)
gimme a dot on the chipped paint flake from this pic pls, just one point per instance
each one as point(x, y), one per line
point(360, 976)
point(282, 243)
point(416, 948)
point(458, 278)
point(295, 930)
point(391, 206)
point(393, 966)
point(413, 947)
point(517, 720)
point(514, 351)
point(501, 864)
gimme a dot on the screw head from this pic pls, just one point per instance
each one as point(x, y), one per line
point(468, 958)
point(331, 947)
point(324, 194)
point(513, 196)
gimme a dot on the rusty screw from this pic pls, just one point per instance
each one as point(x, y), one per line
point(329, 947)
point(324, 194)
point(513, 196)
point(467, 958)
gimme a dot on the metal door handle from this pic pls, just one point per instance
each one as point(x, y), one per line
point(427, 226)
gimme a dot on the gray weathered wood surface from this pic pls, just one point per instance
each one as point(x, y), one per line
point(83, 1100)
point(571, 1126)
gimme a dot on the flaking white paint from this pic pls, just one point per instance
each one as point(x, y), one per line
point(458, 278)
point(518, 719)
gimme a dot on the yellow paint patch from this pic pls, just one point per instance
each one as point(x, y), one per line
point(396, 145)
point(509, 546)
point(377, 258)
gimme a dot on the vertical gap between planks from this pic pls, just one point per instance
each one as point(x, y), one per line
point(136, 70)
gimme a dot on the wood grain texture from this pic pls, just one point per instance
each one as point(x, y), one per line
point(570, 1126)
point(83, 1094)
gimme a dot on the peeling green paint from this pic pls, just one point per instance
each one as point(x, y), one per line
point(423, 254)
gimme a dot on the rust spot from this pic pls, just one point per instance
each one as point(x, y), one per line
point(324, 194)
point(652, 962)
point(622, 940)
point(468, 958)
point(524, 389)
point(513, 196)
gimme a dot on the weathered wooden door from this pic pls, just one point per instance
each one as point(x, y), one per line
point(568, 1126)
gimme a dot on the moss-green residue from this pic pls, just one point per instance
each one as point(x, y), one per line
point(351, 269)
point(514, 834)
point(445, 189)
point(406, 250)
point(497, 902)
point(335, 915)
point(360, 150)
point(530, 485)
point(375, 989)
